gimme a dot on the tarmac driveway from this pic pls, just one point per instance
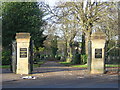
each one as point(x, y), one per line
point(54, 75)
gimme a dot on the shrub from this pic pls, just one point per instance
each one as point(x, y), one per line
point(58, 57)
point(42, 57)
point(84, 59)
point(77, 59)
point(6, 57)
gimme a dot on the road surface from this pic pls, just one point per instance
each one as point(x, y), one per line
point(54, 75)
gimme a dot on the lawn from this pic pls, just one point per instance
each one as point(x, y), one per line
point(107, 65)
point(34, 65)
point(38, 64)
point(66, 63)
point(82, 66)
point(4, 66)
point(85, 66)
point(112, 65)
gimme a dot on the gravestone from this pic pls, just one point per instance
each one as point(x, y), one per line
point(98, 40)
point(23, 43)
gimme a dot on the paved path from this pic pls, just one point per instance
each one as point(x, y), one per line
point(52, 66)
point(54, 75)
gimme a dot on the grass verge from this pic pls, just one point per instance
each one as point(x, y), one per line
point(38, 64)
point(85, 66)
point(34, 65)
point(4, 66)
point(81, 66)
point(66, 63)
point(112, 65)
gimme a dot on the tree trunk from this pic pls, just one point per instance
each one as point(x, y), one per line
point(86, 45)
point(87, 39)
point(83, 45)
point(65, 55)
point(69, 53)
point(69, 57)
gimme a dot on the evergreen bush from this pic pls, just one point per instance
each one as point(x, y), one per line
point(6, 57)
point(77, 59)
point(84, 59)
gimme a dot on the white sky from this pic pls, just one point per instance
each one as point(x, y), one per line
point(50, 2)
point(53, 2)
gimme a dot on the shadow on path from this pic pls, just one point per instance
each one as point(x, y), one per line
point(53, 66)
point(62, 77)
point(49, 66)
point(5, 71)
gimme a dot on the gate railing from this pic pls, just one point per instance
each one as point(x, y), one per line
point(113, 57)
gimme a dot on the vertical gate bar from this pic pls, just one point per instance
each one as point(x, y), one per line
point(89, 56)
point(14, 57)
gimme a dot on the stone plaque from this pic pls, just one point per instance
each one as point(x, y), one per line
point(102, 37)
point(98, 53)
point(96, 37)
point(23, 52)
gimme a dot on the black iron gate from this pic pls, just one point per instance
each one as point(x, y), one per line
point(14, 56)
point(113, 58)
point(31, 57)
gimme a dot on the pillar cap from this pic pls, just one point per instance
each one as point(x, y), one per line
point(98, 35)
point(22, 35)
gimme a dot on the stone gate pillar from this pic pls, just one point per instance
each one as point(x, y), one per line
point(98, 40)
point(23, 42)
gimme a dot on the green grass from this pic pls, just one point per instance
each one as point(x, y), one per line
point(107, 65)
point(4, 66)
point(38, 64)
point(34, 65)
point(112, 65)
point(41, 62)
point(85, 66)
point(66, 63)
point(82, 66)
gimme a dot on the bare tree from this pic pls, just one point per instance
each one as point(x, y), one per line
point(88, 15)
point(69, 28)
point(91, 16)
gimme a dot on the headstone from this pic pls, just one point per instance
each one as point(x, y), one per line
point(98, 40)
point(23, 43)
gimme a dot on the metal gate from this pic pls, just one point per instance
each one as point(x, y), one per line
point(14, 56)
point(113, 58)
